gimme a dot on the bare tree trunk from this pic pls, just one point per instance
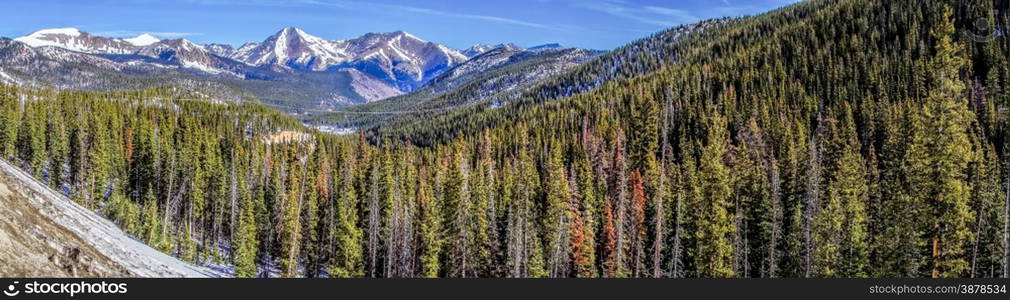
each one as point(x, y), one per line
point(772, 262)
point(675, 263)
point(812, 202)
point(169, 204)
point(373, 225)
point(234, 197)
point(657, 249)
point(978, 230)
point(739, 240)
point(1006, 230)
point(936, 250)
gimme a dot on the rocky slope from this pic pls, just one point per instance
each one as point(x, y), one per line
point(44, 234)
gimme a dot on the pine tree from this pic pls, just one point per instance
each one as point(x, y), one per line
point(314, 194)
point(244, 242)
point(939, 155)
point(643, 137)
point(615, 238)
point(151, 226)
point(430, 227)
point(291, 233)
point(556, 218)
point(715, 227)
point(31, 138)
point(197, 201)
point(849, 184)
point(481, 222)
point(56, 145)
point(756, 203)
point(638, 231)
point(840, 233)
point(989, 204)
point(584, 214)
point(455, 211)
point(11, 115)
point(348, 259)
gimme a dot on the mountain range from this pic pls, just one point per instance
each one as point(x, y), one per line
point(291, 69)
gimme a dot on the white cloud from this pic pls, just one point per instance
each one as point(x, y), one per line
point(133, 33)
point(350, 4)
point(468, 16)
point(654, 15)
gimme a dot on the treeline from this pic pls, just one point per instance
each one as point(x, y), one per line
point(844, 139)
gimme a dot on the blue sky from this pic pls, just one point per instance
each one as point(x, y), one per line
point(598, 24)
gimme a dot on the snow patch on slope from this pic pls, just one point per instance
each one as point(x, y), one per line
point(137, 258)
point(142, 40)
point(199, 66)
point(4, 78)
point(38, 38)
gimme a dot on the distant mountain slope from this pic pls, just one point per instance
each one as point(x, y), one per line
point(400, 59)
point(529, 79)
point(294, 48)
point(293, 70)
point(44, 234)
point(503, 69)
point(77, 40)
point(64, 69)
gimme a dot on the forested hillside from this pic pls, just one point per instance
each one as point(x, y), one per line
point(536, 77)
point(849, 138)
point(480, 81)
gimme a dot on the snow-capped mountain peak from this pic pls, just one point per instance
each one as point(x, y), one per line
point(77, 40)
point(400, 57)
point(184, 53)
point(67, 31)
point(74, 39)
point(380, 64)
point(479, 49)
point(142, 40)
point(546, 47)
point(476, 50)
point(292, 47)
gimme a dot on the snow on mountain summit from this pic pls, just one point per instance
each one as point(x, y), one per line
point(68, 31)
point(401, 58)
point(142, 40)
point(76, 40)
point(186, 54)
point(398, 58)
point(384, 64)
point(479, 49)
point(292, 47)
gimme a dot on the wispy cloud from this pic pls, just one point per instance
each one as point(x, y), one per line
point(349, 4)
point(654, 15)
point(159, 34)
point(470, 16)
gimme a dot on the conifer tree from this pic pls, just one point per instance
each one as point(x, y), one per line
point(556, 218)
point(430, 228)
point(56, 145)
point(939, 155)
point(715, 227)
point(348, 259)
point(11, 115)
point(244, 242)
point(291, 233)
